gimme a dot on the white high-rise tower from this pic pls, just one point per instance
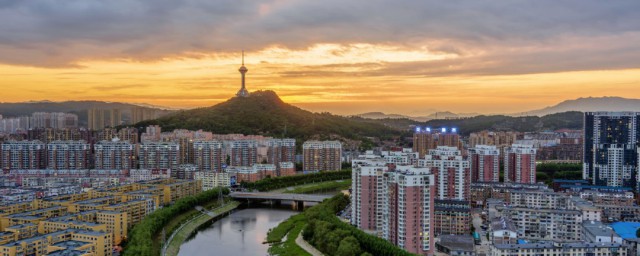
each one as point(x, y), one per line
point(243, 70)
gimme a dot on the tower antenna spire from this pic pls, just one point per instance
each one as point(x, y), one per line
point(243, 70)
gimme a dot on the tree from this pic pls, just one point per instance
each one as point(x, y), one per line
point(349, 246)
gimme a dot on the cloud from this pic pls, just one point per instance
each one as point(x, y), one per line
point(489, 37)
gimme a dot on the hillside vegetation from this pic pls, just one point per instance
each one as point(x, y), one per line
point(568, 120)
point(264, 113)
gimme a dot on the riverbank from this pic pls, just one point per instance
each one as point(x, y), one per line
point(180, 235)
point(147, 237)
point(143, 237)
point(306, 246)
point(320, 187)
point(239, 233)
point(288, 230)
point(328, 234)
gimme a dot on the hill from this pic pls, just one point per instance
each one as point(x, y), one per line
point(380, 115)
point(588, 105)
point(568, 120)
point(434, 115)
point(264, 113)
point(79, 108)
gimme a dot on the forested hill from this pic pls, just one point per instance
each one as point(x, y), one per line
point(568, 120)
point(264, 113)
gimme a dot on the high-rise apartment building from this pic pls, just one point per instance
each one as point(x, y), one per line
point(139, 114)
point(485, 163)
point(408, 208)
point(159, 155)
point(321, 156)
point(54, 120)
point(95, 119)
point(114, 155)
point(449, 138)
point(208, 156)
point(47, 135)
point(498, 139)
point(129, 134)
point(107, 134)
point(184, 171)
point(152, 133)
point(22, 155)
point(520, 164)
point(211, 180)
point(401, 157)
point(281, 150)
point(286, 169)
point(12, 125)
point(451, 217)
point(423, 141)
point(611, 148)
point(98, 119)
point(451, 171)
point(115, 118)
point(367, 193)
point(244, 152)
point(68, 155)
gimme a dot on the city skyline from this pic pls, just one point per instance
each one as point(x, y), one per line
point(335, 57)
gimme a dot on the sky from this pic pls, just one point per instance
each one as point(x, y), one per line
point(344, 57)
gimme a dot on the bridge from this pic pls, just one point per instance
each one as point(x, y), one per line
point(277, 198)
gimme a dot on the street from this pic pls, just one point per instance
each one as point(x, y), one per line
point(483, 248)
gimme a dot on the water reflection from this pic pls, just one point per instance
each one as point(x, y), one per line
point(240, 233)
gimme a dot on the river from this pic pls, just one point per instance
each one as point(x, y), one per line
point(238, 234)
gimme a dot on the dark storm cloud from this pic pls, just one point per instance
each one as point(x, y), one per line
point(57, 33)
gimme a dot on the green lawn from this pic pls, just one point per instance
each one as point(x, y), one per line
point(291, 228)
point(177, 221)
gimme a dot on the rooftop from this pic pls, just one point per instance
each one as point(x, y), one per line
point(502, 223)
point(22, 226)
point(67, 252)
point(71, 244)
point(572, 181)
point(626, 229)
point(551, 245)
point(597, 228)
point(457, 242)
point(604, 188)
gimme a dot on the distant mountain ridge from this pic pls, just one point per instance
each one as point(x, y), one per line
point(435, 115)
point(588, 104)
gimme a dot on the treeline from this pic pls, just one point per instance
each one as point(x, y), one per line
point(266, 114)
point(331, 236)
point(322, 187)
point(289, 181)
point(140, 241)
point(547, 172)
point(569, 120)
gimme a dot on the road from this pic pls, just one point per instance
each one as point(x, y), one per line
point(483, 248)
point(307, 247)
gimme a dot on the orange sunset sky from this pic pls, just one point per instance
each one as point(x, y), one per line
point(345, 57)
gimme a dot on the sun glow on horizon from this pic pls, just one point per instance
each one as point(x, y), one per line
point(323, 77)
